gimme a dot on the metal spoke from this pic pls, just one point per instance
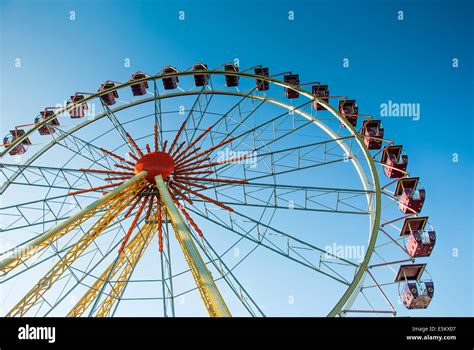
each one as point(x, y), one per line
point(117, 125)
point(291, 243)
point(230, 278)
point(319, 199)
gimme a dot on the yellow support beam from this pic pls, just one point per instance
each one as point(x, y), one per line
point(139, 241)
point(210, 294)
point(20, 255)
point(114, 207)
point(133, 256)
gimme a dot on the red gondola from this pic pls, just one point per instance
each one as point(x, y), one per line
point(372, 132)
point(420, 242)
point(293, 79)
point(49, 127)
point(411, 199)
point(262, 85)
point(349, 110)
point(108, 98)
point(79, 110)
point(138, 89)
point(231, 80)
point(171, 82)
point(416, 294)
point(200, 79)
point(322, 92)
point(395, 162)
point(21, 147)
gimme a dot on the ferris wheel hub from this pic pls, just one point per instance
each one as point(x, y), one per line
point(155, 163)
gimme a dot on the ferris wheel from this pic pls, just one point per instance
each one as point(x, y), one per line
point(226, 191)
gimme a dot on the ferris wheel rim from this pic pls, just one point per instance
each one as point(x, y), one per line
point(354, 288)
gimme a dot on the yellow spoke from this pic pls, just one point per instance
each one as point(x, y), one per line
point(43, 241)
point(210, 294)
point(132, 257)
point(137, 242)
point(114, 206)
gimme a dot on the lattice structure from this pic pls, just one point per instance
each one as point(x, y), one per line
point(237, 171)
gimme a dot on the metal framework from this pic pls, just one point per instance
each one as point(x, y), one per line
point(171, 182)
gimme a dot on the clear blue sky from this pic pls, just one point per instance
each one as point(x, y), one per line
point(407, 61)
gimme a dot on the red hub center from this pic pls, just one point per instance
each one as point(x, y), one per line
point(156, 163)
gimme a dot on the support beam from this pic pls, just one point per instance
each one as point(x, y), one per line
point(20, 254)
point(140, 241)
point(114, 207)
point(166, 273)
point(132, 256)
point(207, 286)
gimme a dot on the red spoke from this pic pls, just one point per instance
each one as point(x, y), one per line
point(194, 172)
point(110, 172)
point(94, 189)
point(204, 179)
point(179, 193)
point(147, 146)
point(133, 156)
point(178, 149)
point(123, 167)
point(192, 184)
point(132, 226)
point(164, 145)
point(117, 178)
point(177, 136)
point(193, 163)
point(194, 142)
point(188, 155)
point(185, 160)
point(205, 197)
point(116, 156)
point(132, 141)
point(135, 203)
point(191, 221)
point(150, 207)
point(187, 216)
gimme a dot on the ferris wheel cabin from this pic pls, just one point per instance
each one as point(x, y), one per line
point(138, 89)
point(262, 85)
point(349, 110)
point(322, 92)
point(200, 79)
point(372, 132)
point(395, 161)
point(109, 97)
point(170, 83)
point(420, 242)
point(79, 110)
point(231, 80)
point(293, 79)
point(411, 199)
point(415, 293)
point(21, 147)
point(49, 127)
